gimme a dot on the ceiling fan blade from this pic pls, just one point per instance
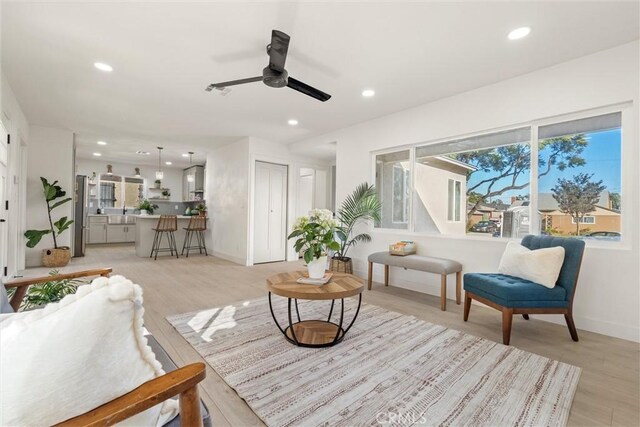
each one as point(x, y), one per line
point(307, 90)
point(233, 83)
point(278, 50)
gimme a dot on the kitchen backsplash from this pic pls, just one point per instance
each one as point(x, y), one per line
point(164, 208)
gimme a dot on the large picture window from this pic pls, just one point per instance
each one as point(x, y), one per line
point(393, 184)
point(579, 177)
point(470, 185)
point(481, 185)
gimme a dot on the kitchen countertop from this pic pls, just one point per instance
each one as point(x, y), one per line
point(158, 216)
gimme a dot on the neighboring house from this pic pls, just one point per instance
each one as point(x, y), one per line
point(441, 192)
point(440, 188)
point(603, 218)
point(484, 213)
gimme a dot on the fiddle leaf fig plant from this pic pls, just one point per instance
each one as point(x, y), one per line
point(54, 196)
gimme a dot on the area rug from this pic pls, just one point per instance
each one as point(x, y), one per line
point(391, 369)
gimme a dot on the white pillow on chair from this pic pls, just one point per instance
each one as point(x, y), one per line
point(541, 266)
point(73, 356)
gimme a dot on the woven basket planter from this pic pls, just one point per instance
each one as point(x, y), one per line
point(341, 265)
point(56, 257)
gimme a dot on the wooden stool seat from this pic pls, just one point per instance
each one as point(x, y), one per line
point(167, 225)
point(197, 226)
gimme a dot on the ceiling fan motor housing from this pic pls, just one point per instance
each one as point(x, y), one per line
point(274, 78)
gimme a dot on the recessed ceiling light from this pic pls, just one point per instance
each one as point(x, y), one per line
point(185, 154)
point(168, 163)
point(145, 153)
point(103, 67)
point(368, 93)
point(97, 154)
point(519, 33)
point(101, 143)
point(293, 122)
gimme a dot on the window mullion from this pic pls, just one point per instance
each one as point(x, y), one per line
point(534, 223)
point(412, 195)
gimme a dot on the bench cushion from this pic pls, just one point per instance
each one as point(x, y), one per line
point(510, 291)
point(417, 262)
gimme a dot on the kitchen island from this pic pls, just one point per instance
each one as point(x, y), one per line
point(145, 235)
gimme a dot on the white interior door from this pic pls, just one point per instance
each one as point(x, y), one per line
point(270, 213)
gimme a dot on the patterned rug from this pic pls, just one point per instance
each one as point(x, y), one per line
point(391, 369)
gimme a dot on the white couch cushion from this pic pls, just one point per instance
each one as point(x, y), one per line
point(541, 266)
point(75, 355)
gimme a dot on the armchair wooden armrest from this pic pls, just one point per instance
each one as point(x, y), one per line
point(183, 381)
point(23, 284)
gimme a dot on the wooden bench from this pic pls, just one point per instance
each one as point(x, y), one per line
point(440, 266)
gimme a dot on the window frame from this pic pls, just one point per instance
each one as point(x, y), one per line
point(535, 218)
point(123, 183)
point(454, 212)
point(406, 187)
point(573, 220)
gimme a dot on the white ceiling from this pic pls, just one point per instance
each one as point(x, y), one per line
point(165, 54)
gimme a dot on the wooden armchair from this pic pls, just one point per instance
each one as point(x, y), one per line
point(182, 381)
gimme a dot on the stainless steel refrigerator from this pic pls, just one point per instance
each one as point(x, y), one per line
point(81, 210)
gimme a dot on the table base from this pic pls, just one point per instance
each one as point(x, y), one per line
point(314, 333)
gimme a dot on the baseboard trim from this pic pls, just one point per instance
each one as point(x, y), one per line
point(604, 327)
point(227, 257)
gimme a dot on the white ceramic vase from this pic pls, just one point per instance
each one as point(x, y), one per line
point(317, 267)
point(143, 212)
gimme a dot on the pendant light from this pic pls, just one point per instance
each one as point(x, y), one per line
point(190, 177)
point(137, 170)
point(159, 173)
point(109, 170)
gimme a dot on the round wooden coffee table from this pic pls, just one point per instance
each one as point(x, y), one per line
point(314, 333)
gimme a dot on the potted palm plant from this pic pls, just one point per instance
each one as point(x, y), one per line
point(360, 206)
point(315, 237)
point(58, 256)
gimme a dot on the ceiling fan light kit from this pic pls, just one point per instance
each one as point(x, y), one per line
point(274, 75)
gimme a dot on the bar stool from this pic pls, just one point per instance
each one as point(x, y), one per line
point(167, 224)
point(197, 225)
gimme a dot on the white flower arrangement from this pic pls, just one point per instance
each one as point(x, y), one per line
point(315, 234)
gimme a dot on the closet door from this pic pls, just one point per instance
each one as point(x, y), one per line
point(270, 213)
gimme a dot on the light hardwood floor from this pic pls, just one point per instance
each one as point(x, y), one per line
point(609, 388)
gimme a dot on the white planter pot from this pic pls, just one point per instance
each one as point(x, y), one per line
point(143, 212)
point(317, 267)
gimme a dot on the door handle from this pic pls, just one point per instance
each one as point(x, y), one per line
point(3, 220)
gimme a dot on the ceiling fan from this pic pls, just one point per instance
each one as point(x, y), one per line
point(274, 74)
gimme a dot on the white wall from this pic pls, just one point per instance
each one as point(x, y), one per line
point(230, 181)
point(50, 155)
point(227, 194)
point(608, 296)
point(17, 126)
point(172, 176)
point(268, 151)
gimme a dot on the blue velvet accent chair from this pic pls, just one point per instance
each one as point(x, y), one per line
point(513, 295)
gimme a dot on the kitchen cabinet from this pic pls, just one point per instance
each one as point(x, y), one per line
point(117, 233)
point(100, 231)
point(97, 230)
point(193, 183)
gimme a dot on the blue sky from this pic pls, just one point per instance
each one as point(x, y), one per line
point(603, 158)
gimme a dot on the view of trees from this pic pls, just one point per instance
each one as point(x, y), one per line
point(507, 168)
point(577, 196)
